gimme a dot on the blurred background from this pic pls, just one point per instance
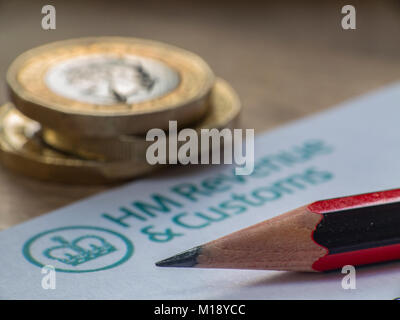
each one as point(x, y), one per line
point(286, 59)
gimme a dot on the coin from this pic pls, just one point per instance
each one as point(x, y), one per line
point(107, 86)
point(223, 113)
point(23, 151)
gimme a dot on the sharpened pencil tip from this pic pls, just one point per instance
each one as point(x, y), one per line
point(185, 259)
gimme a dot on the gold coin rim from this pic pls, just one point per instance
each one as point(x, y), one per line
point(64, 168)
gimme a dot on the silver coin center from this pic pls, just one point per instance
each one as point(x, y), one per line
point(108, 80)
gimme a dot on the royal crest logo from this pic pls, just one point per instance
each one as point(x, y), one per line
point(71, 253)
point(78, 249)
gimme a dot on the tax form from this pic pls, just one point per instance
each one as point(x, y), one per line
point(105, 247)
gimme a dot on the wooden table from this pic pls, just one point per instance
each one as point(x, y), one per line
point(286, 60)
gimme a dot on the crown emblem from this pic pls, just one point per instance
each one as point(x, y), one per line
point(79, 250)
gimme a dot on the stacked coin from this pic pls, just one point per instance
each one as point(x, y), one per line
point(81, 108)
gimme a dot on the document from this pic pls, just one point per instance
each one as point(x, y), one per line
point(106, 246)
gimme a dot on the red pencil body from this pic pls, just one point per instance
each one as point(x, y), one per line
point(378, 246)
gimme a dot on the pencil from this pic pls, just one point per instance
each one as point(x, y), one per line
point(324, 235)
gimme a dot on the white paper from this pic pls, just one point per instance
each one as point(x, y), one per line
point(360, 153)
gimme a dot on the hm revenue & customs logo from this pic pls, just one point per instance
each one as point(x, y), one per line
point(78, 249)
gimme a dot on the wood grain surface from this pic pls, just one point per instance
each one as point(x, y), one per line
point(286, 59)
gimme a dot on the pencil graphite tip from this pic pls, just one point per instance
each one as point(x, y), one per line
point(184, 259)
